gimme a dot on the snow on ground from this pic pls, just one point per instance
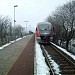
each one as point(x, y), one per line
point(42, 68)
point(10, 43)
point(65, 51)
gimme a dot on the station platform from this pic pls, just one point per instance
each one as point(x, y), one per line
point(24, 65)
point(18, 57)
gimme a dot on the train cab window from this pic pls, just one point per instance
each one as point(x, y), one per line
point(44, 27)
point(36, 29)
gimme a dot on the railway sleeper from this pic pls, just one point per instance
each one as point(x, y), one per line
point(64, 64)
point(62, 59)
point(70, 66)
point(67, 71)
point(67, 68)
point(68, 74)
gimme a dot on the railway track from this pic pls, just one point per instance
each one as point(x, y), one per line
point(66, 64)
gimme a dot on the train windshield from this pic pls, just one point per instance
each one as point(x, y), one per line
point(44, 27)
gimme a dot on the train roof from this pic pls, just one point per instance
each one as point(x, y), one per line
point(40, 23)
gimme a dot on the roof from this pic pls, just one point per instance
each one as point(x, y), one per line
point(43, 23)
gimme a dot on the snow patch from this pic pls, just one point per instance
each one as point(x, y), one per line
point(10, 43)
point(42, 68)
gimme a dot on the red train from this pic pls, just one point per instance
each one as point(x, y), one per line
point(44, 32)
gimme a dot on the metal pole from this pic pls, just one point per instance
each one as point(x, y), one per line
point(29, 29)
point(14, 21)
point(26, 25)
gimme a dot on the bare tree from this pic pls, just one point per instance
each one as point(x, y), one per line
point(7, 30)
point(4, 25)
point(19, 31)
point(64, 20)
point(69, 14)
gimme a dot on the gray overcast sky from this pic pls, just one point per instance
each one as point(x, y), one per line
point(32, 10)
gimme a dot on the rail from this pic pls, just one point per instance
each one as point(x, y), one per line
point(47, 61)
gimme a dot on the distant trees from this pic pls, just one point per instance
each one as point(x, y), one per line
point(7, 31)
point(63, 20)
point(19, 31)
point(4, 24)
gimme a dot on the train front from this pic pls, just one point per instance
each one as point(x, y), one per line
point(44, 32)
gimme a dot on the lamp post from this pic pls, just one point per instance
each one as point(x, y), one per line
point(26, 25)
point(14, 20)
point(30, 27)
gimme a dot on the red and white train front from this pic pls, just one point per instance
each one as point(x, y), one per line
point(44, 32)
